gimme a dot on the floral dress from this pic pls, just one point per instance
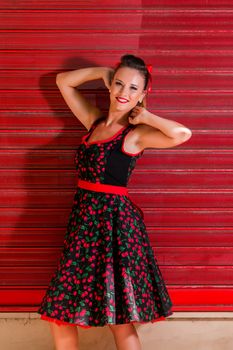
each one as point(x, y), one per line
point(107, 272)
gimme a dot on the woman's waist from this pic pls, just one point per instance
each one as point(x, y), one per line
point(102, 187)
point(107, 188)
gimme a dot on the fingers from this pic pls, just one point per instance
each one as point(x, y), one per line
point(135, 111)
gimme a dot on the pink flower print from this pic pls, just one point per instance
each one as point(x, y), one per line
point(108, 312)
point(69, 262)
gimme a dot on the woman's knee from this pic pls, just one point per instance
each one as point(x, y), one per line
point(122, 328)
point(64, 336)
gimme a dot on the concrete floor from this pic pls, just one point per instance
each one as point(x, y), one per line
point(181, 331)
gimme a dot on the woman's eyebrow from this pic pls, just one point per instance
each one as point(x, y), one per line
point(123, 82)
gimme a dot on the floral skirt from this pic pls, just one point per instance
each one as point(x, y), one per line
point(107, 272)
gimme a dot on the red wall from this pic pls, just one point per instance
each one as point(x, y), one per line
point(186, 192)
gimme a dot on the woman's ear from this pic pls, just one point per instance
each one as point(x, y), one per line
point(139, 104)
point(143, 104)
point(143, 95)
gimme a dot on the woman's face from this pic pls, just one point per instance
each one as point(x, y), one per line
point(127, 88)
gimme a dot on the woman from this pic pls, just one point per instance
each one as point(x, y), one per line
point(107, 274)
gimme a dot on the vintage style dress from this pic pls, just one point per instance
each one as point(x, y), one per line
point(107, 272)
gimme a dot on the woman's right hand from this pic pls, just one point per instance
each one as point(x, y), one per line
point(107, 77)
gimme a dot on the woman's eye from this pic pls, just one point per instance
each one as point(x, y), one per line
point(118, 83)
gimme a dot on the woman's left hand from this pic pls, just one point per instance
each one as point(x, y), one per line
point(138, 115)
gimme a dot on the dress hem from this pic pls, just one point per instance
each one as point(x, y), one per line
point(60, 323)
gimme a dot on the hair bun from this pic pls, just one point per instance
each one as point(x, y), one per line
point(131, 59)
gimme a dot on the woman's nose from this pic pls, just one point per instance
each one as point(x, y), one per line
point(124, 91)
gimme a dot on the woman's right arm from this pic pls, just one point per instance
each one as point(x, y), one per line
point(79, 105)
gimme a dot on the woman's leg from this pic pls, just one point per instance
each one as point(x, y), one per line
point(126, 337)
point(65, 337)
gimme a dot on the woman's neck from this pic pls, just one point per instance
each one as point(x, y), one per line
point(116, 118)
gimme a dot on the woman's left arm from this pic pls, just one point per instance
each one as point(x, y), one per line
point(157, 132)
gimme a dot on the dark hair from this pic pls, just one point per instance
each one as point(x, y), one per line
point(136, 63)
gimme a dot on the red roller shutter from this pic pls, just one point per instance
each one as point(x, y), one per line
point(185, 192)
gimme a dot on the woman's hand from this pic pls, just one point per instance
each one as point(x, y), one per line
point(107, 77)
point(138, 115)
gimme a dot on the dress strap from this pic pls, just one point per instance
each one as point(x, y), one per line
point(93, 126)
point(95, 123)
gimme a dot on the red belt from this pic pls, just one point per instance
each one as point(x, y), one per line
point(96, 186)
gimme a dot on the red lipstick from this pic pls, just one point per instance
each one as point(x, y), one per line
point(121, 100)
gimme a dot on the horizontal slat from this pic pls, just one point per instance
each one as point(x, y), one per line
point(184, 299)
point(177, 256)
point(190, 236)
point(172, 79)
point(36, 179)
point(69, 139)
point(153, 158)
point(173, 275)
point(43, 159)
point(162, 99)
point(192, 79)
point(122, 39)
point(121, 4)
point(159, 236)
point(159, 58)
point(184, 158)
point(159, 198)
point(154, 198)
point(36, 198)
point(103, 19)
point(179, 178)
point(161, 216)
point(160, 178)
point(63, 120)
